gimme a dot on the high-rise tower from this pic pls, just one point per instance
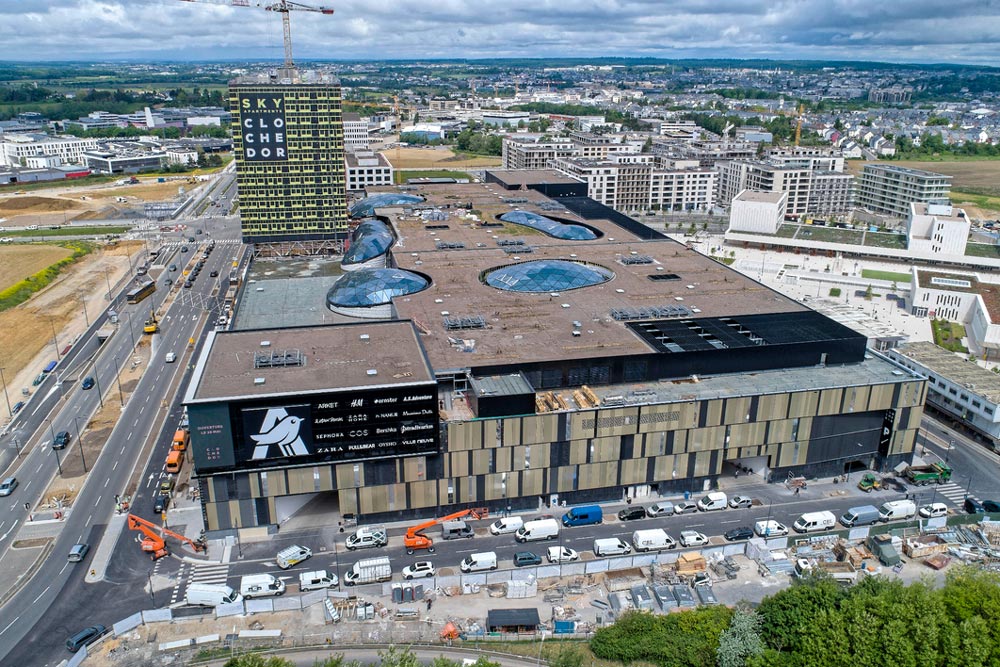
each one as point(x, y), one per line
point(288, 139)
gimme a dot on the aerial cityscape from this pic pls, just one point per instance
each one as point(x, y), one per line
point(395, 334)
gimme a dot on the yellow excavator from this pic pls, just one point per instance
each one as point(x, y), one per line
point(152, 325)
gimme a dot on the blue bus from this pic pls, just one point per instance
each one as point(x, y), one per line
point(49, 367)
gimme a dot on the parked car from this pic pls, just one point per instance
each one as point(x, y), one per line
point(685, 507)
point(85, 637)
point(61, 440)
point(526, 558)
point(7, 486)
point(692, 538)
point(632, 513)
point(991, 506)
point(188, 284)
point(167, 485)
point(741, 533)
point(17, 407)
point(419, 570)
point(88, 383)
point(40, 378)
point(973, 506)
point(562, 555)
point(741, 502)
point(770, 528)
point(932, 510)
point(664, 508)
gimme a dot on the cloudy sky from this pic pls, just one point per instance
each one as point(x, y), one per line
point(923, 31)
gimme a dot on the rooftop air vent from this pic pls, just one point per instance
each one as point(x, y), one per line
point(371, 372)
point(265, 343)
point(258, 381)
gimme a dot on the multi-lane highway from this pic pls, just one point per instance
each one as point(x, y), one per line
point(49, 606)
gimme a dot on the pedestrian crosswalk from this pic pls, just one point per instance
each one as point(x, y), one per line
point(201, 574)
point(952, 492)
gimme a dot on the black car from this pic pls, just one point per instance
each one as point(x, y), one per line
point(991, 506)
point(736, 534)
point(973, 506)
point(62, 439)
point(88, 382)
point(184, 248)
point(213, 274)
point(632, 513)
point(85, 637)
point(188, 284)
point(526, 558)
point(161, 503)
point(190, 239)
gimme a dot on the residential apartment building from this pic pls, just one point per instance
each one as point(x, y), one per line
point(890, 189)
point(600, 146)
point(523, 153)
point(634, 182)
point(708, 153)
point(16, 147)
point(288, 141)
point(809, 192)
point(817, 158)
point(367, 169)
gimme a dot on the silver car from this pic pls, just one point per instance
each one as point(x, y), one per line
point(662, 508)
point(685, 507)
point(7, 486)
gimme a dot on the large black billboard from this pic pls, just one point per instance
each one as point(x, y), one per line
point(332, 428)
point(262, 121)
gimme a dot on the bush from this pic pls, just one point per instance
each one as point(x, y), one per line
point(834, 291)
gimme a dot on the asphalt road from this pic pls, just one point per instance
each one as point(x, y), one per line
point(31, 623)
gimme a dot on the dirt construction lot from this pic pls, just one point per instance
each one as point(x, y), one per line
point(17, 262)
point(26, 331)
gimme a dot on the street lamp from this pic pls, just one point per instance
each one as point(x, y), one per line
point(79, 441)
point(118, 378)
point(9, 410)
point(108, 281)
point(97, 381)
point(131, 333)
point(947, 455)
point(336, 562)
point(55, 343)
point(86, 317)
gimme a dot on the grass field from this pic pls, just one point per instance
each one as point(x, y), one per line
point(20, 261)
point(885, 240)
point(401, 176)
point(830, 235)
point(948, 335)
point(67, 231)
point(982, 250)
point(885, 275)
point(435, 158)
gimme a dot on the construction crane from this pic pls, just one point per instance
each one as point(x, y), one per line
point(415, 539)
point(151, 325)
point(282, 7)
point(153, 542)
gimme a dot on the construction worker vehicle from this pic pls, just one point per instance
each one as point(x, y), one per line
point(153, 542)
point(414, 539)
point(922, 475)
point(870, 482)
point(152, 325)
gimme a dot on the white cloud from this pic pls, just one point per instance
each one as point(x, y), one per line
point(903, 30)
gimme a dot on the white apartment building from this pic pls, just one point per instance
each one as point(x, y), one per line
point(809, 192)
point(890, 189)
point(355, 132)
point(522, 153)
point(16, 147)
point(937, 227)
point(967, 298)
point(758, 212)
point(816, 158)
point(367, 169)
point(634, 182)
point(180, 155)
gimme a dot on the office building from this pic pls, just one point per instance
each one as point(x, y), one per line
point(16, 148)
point(534, 349)
point(524, 153)
point(938, 228)
point(890, 189)
point(367, 169)
point(758, 212)
point(288, 142)
point(356, 130)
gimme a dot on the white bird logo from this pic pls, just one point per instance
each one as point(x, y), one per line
point(281, 429)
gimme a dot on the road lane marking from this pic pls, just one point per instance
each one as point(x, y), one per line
point(106, 482)
point(115, 466)
point(65, 565)
point(15, 620)
point(88, 521)
point(129, 437)
point(40, 595)
point(98, 501)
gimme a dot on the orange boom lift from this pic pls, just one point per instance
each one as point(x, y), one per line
point(415, 539)
point(153, 543)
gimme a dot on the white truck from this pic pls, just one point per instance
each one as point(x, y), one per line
point(211, 595)
point(369, 571)
point(653, 539)
point(260, 585)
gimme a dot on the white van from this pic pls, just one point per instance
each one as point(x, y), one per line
point(540, 529)
point(716, 500)
point(211, 595)
point(895, 510)
point(368, 537)
point(811, 522)
point(479, 562)
point(509, 524)
point(932, 510)
point(653, 539)
point(611, 546)
point(261, 585)
point(311, 581)
point(292, 555)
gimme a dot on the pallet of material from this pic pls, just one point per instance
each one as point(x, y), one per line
point(924, 545)
point(855, 555)
point(691, 563)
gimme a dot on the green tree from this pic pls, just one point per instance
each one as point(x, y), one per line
point(398, 657)
point(741, 640)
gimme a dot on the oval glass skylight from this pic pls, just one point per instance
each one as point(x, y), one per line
point(366, 207)
point(373, 287)
point(547, 275)
point(371, 239)
point(549, 226)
